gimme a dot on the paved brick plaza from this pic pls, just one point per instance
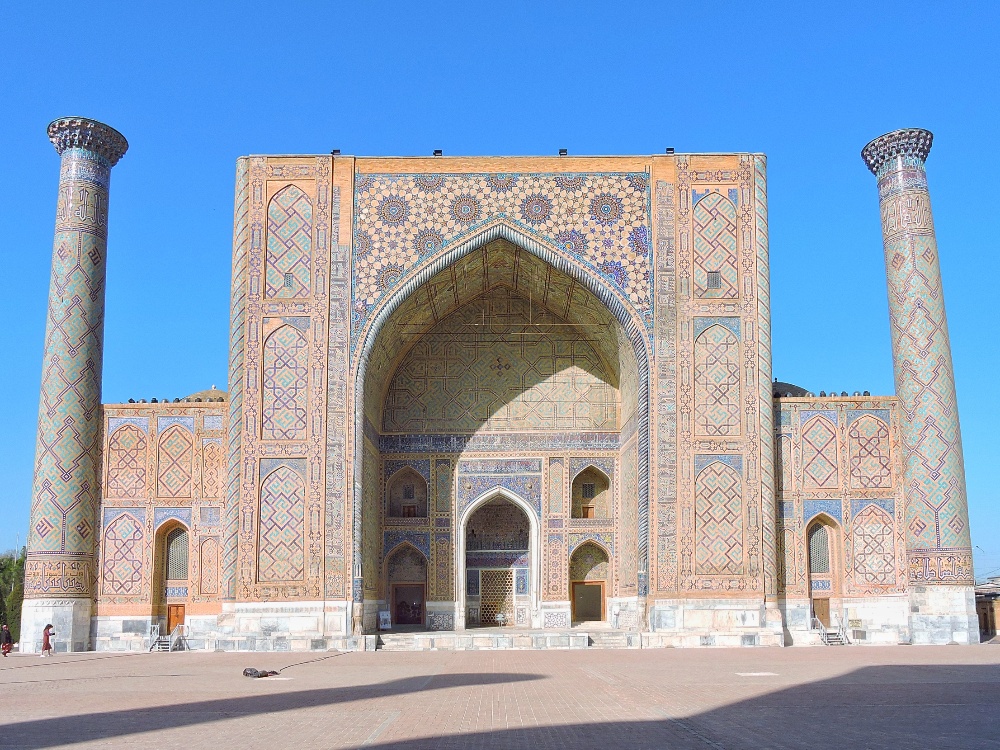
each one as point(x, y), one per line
point(901, 697)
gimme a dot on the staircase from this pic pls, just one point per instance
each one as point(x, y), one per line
point(612, 639)
point(161, 644)
point(507, 638)
point(400, 642)
point(831, 636)
point(166, 643)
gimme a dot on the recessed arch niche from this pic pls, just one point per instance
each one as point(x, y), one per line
point(500, 348)
point(406, 495)
point(823, 565)
point(591, 494)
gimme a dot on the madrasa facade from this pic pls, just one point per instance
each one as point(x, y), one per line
point(514, 398)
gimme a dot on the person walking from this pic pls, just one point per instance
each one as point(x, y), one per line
point(47, 640)
point(6, 640)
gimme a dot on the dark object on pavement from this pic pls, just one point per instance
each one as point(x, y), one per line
point(251, 672)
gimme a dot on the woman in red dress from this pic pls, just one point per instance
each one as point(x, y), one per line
point(6, 640)
point(47, 640)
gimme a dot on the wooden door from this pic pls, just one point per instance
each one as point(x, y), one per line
point(821, 611)
point(175, 616)
point(588, 601)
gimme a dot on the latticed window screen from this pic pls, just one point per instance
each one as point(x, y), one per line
point(819, 550)
point(289, 280)
point(496, 592)
point(714, 280)
point(407, 491)
point(588, 490)
point(177, 555)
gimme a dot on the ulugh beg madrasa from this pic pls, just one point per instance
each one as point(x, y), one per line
point(497, 402)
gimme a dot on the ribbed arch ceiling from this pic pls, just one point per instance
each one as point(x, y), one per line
point(498, 263)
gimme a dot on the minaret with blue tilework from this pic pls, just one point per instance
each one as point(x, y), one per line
point(938, 545)
point(63, 532)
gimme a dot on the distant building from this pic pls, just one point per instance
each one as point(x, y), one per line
point(988, 606)
point(487, 391)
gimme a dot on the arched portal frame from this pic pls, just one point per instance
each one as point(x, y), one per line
point(609, 488)
point(386, 583)
point(835, 561)
point(163, 595)
point(608, 582)
point(629, 320)
point(534, 553)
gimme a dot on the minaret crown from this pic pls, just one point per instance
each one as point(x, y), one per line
point(906, 142)
point(81, 132)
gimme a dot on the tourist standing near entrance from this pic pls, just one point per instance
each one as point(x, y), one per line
point(47, 640)
point(6, 640)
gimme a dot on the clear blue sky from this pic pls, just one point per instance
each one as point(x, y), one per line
point(195, 85)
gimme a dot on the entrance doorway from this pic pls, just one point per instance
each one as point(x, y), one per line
point(408, 604)
point(821, 611)
point(175, 616)
point(406, 578)
point(588, 601)
point(588, 574)
point(498, 566)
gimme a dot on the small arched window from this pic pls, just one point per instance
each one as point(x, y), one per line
point(177, 555)
point(591, 496)
point(819, 549)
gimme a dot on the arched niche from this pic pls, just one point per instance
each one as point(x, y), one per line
point(172, 571)
point(591, 494)
point(406, 585)
point(589, 581)
point(390, 395)
point(406, 495)
point(498, 548)
point(823, 566)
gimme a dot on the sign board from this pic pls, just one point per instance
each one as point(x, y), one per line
point(385, 621)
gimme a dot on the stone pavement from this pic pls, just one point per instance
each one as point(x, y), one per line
point(847, 697)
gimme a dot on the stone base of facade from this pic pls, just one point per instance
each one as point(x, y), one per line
point(118, 633)
point(943, 615)
point(263, 626)
point(683, 623)
point(875, 620)
point(70, 619)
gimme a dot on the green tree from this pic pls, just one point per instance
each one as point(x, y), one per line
point(12, 589)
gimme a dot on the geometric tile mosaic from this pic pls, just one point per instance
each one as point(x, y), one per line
point(175, 455)
point(717, 382)
point(281, 551)
point(719, 520)
point(403, 220)
point(289, 244)
point(286, 373)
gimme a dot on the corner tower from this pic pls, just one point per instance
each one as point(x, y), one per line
point(938, 545)
point(61, 541)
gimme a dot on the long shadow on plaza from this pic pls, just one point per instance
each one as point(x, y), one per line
point(67, 730)
point(940, 706)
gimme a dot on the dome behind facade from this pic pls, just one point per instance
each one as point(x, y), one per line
point(779, 390)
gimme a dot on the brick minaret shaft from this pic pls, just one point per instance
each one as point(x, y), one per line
point(61, 538)
point(939, 550)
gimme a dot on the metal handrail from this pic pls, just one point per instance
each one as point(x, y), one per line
point(842, 630)
point(154, 635)
point(817, 625)
point(178, 635)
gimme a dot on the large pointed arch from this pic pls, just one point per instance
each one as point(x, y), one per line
point(623, 312)
point(534, 549)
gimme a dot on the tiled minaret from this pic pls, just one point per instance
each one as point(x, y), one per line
point(64, 525)
point(938, 546)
